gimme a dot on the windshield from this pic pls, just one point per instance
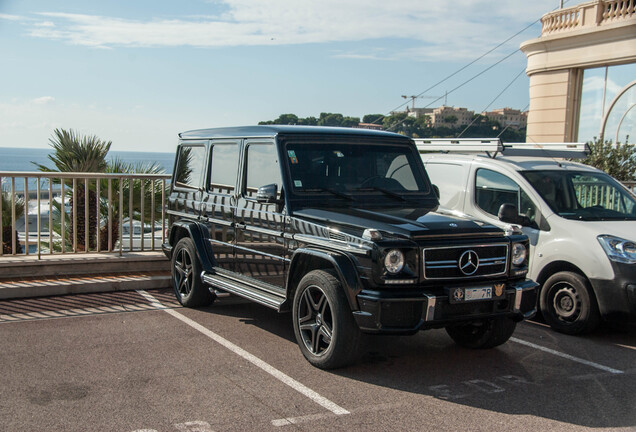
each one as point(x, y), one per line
point(583, 195)
point(348, 170)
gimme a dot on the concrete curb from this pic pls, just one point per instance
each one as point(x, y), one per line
point(30, 276)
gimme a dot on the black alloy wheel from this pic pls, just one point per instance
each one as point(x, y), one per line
point(324, 326)
point(186, 276)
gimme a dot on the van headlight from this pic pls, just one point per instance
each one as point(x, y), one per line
point(394, 261)
point(618, 249)
point(519, 253)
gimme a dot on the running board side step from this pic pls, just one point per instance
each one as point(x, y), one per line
point(266, 298)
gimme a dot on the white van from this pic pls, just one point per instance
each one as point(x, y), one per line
point(581, 222)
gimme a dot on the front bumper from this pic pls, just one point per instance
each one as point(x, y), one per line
point(617, 297)
point(394, 312)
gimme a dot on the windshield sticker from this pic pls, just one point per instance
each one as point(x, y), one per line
point(292, 157)
point(298, 183)
point(339, 154)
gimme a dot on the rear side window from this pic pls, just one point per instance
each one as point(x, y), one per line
point(451, 181)
point(190, 169)
point(224, 166)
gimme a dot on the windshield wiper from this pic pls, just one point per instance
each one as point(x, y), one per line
point(384, 191)
point(331, 191)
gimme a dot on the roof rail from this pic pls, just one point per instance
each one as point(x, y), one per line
point(552, 150)
point(493, 146)
point(463, 145)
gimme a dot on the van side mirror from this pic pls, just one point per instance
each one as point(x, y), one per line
point(508, 213)
point(267, 194)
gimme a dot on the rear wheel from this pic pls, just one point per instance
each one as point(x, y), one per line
point(186, 276)
point(324, 327)
point(568, 304)
point(485, 333)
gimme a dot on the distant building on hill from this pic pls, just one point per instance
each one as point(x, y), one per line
point(371, 126)
point(508, 117)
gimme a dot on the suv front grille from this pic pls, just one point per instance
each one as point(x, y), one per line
point(465, 262)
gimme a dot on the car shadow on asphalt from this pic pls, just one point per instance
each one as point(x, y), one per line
point(508, 379)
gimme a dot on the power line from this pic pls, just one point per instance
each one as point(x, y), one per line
point(467, 81)
point(492, 101)
point(476, 60)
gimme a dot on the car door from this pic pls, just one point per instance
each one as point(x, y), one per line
point(490, 189)
point(260, 247)
point(219, 202)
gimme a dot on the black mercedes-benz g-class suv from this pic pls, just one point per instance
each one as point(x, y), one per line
point(342, 227)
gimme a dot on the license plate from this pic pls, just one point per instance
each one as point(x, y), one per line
point(472, 294)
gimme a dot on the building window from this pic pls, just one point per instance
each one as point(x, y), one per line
point(600, 87)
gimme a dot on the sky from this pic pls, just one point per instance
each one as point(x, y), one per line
point(139, 72)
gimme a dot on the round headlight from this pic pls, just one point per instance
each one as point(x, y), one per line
point(394, 261)
point(519, 253)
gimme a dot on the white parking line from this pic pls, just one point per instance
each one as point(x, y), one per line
point(285, 379)
point(567, 356)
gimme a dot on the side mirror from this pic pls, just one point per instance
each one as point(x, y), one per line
point(267, 194)
point(436, 190)
point(508, 213)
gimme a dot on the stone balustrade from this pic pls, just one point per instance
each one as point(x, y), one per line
point(596, 13)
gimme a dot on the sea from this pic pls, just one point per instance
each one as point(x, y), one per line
point(21, 159)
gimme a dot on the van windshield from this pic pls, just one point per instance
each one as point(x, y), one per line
point(348, 170)
point(583, 195)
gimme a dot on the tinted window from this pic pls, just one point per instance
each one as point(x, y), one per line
point(262, 167)
point(224, 167)
point(190, 168)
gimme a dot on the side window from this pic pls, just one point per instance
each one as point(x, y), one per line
point(224, 167)
point(262, 168)
point(190, 169)
point(493, 189)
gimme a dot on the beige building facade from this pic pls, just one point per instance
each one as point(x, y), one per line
point(508, 117)
point(571, 68)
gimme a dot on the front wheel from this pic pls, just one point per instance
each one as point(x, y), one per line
point(324, 327)
point(567, 303)
point(186, 276)
point(485, 333)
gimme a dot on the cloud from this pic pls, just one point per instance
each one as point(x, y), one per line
point(43, 100)
point(11, 17)
point(458, 30)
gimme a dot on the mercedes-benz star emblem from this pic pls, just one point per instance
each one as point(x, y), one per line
point(468, 262)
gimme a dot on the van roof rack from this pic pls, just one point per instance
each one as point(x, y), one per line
point(493, 146)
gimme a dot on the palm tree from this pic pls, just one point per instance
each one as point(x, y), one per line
point(72, 153)
point(130, 186)
point(7, 244)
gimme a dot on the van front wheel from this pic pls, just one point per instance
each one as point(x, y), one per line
point(568, 304)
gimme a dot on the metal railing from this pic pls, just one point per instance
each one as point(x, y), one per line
point(60, 213)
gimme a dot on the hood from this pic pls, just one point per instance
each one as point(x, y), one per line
point(403, 222)
point(625, 229)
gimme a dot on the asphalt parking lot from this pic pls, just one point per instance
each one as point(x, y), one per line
point(135, 361)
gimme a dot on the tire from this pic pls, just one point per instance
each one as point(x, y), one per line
point(324, 327)
point(482, 334)
point(568, 304)
point(186, 276)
